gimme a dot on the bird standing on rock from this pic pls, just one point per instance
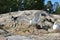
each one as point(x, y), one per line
point(35, 20)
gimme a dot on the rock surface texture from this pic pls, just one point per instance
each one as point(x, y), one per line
point(32, 37)
point(28, 22)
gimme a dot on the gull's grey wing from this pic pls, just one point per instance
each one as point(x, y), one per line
point(37, 17)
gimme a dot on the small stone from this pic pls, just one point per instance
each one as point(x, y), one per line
point(3, 38)
point(1, 31)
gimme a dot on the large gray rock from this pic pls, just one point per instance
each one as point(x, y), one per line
point(14, 21)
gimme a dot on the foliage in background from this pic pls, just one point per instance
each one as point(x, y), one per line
point(14, 5)
point(55, 5)
point(57, 10)
point(34, 4)
point(49, 6)
point(5, 5)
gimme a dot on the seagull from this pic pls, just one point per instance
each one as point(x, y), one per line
point(56, 26)
point(36, 19)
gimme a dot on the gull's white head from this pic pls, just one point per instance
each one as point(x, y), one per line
point(56, 26)
point(30, 21)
